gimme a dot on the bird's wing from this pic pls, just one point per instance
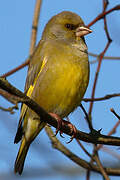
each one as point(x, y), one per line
point(36, 65)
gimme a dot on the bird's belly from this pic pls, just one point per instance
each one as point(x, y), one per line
point(62, 94)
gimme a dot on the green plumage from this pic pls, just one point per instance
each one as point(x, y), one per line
point(57, 77)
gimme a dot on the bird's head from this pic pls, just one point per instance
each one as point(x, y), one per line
point(65, 25)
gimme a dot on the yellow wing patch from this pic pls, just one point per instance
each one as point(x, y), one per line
point(30, 90)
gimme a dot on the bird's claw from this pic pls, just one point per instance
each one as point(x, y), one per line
point(59, 120)
point(73, 131)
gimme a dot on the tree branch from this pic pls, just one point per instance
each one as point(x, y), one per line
point(96, 138)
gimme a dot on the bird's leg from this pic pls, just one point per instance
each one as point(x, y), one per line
point(59, 120)
point(73, 131)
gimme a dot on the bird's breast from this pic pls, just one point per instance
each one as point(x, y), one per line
point(62, 86)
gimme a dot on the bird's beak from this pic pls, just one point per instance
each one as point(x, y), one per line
point(82, 31)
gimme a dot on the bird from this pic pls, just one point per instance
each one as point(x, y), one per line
point(57, 78)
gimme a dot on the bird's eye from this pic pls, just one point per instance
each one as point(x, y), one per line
point(70, 26)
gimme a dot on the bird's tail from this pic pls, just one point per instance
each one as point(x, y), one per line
point(19, 163)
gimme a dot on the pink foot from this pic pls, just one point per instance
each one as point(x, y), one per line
point(58, 118)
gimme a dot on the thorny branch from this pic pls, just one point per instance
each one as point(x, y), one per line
point(95, 138)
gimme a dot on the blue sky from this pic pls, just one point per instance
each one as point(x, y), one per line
point(15, 31)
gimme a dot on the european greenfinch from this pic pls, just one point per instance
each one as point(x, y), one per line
point(57, 78)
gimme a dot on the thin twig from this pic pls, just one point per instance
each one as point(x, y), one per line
point(103, 14)
point(83, 148)
point(105, 57)
point(113, 130)
point(106, 97)
point(9, 109)
point(113, 111)
point(96, 76)
point(105, 4)
point(15, 69)
point(35, 25)
point(87, 118)
point(103, 172)
point(6, 95)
